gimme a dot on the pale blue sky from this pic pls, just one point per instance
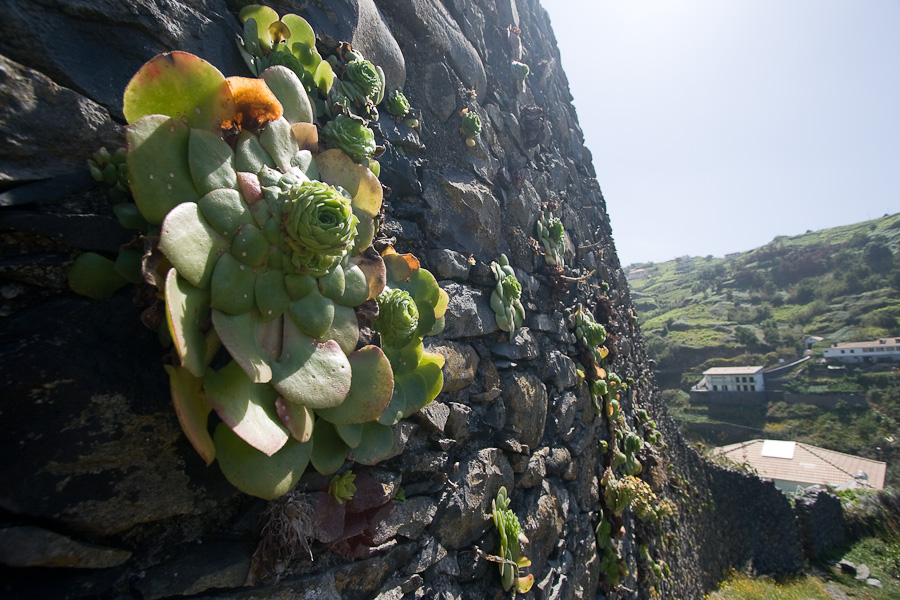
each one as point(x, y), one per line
point(716, 125)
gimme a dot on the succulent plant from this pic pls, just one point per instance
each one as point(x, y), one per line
point(363, 82)
point(270, 253)
point(469, 125)
point(398, 317)
point(591, 334)
point(551, 234)
point(410, 291)
point(511, 538)
point(110, 171)
point(505, 300)
point(287, 41)
point(319, 226)
point(520, 71)
point(341, 487)
point(397, 104)
point(351, 135)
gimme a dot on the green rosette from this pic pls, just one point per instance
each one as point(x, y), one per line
point(319, 226)
point(398, 317)
point(397, 104)
point(352, 136)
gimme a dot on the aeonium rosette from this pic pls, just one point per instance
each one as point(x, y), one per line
point(319, 226)
point(361, 81)
point(398, 317)
point(512, 289)
point(350, 135)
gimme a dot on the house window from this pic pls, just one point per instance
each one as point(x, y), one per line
point(724, 388)
point(752, 388)
point(715, 388)
point(842, 351)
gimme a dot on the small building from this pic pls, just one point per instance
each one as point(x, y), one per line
point(883, 350)
point(811, 340)
point(637, 274)
point(732, 379)
point(793, 465)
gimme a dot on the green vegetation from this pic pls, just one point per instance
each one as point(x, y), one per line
point(743, 587)
point(840, 284)
point(758, 308)
point(873, 522)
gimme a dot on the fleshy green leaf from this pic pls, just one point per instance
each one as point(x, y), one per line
point(313, 314)
point(329, 450)
point(187, 308)
point(350, 434)
point(336, 168)
point(190, 244)
point(247, 408)
point(297, 418)
point(233, 286)
point(309, 373)
point(182, 86)
point(278, 140)
point(192, 410)
point(344, 329)
point(94, 276)
point(370, 389)
point(211, 161)
point(158, 169)
point(253, 472)
point(377, 441)
point(290, 92)
point(253, 342)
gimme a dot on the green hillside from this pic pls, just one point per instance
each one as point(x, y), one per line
point(759, 308)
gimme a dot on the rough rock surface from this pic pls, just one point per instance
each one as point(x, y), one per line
point(96, 472)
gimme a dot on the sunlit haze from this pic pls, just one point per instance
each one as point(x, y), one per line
point(716, 125)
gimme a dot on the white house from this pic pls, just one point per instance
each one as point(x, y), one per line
point(883, 350)
point(732, 379)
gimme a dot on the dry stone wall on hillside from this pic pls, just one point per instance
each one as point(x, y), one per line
point(101, 496)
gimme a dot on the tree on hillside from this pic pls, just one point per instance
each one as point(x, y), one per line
point(878, 256)
point(746, 336)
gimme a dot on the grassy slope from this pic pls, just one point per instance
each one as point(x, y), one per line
point(757, 307)
point(817, 283)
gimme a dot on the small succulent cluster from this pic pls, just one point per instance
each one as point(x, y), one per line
point(612, 567)
point(269, 273)
point(623, 447)
point(344, 88)
point(552, 235)
point(606, 392)
point(505, 299)
point(289, 41)
point(469, 125)
point(591, 334)
point(398, 106)
point(341, 487)
point(520, 71)
point(651, 433)
point(110, 171)
point(510, 550)
point(660, 568)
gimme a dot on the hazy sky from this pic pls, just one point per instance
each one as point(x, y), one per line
point(716, 125)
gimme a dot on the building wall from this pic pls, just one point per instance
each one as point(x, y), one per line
point(735, 383)
point(886, 353)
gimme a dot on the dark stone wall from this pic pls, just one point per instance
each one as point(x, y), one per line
point(101, 496)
